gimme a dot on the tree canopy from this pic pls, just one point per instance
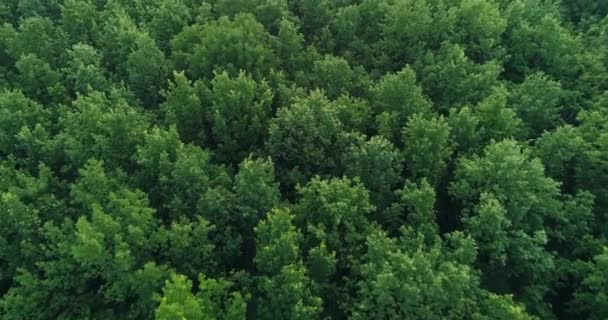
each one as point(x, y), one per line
point(303, 159)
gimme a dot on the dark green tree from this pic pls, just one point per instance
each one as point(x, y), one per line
point(396, 98)
point(306, 139)
point(590, 298)
point(184, 109)
point(17, 113)
point(79, 20)
point(227, 45)
point(84, 73)
point(538, 102)
point(451, 79)
point(427, 147)
point(239, 115)
point(336, 77)
point(146, 70)
point(378, 164)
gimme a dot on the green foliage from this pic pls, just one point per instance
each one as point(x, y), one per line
point(303, 159)
point(591, 169)
point(540, 23)
point(508, 187)
point(354, 113)
point(38, 80)
point(18, 113)
point(411, 27)
point(416, 281)
point(20, 224)
point(95, 124)
point(183, 184)
point(146, 70)
point(239, 115)
point(224, 45)
point(335, 77)
point(489, 227)
point(212, 300)
point(538, 103)
point(377, 163)
point(591, 298)
point(267, 12)
point(256, 190)
point(419, 201)
point(304, 140)
point(559, 150)
point(451, 79)
point(38, 36)
point(285, 288)
point(104, 252)
point(397, 98)
point(84, 73)
point(464, 125)
point(186, 244)
point(117, 39)
point(184, 109)
point(517, 180)
point(427, 147)
point(496, 120)
point(78, 20)
point(278, 242)
point(290, 48)
point(479, 26)
point(400, 93)
point(167, 18)
point(178, 302)
point(335, 213)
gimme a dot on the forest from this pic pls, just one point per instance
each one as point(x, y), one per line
point(304, 159)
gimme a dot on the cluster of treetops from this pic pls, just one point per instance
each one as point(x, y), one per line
point(303, 159)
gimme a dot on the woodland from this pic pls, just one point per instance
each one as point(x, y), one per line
point(304, 159)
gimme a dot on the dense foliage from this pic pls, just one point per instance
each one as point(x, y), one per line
point(303, 159)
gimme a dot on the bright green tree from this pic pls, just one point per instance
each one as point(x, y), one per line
point(404, 278)
point(286, 291)
point(212, 301)
point(521, 201)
